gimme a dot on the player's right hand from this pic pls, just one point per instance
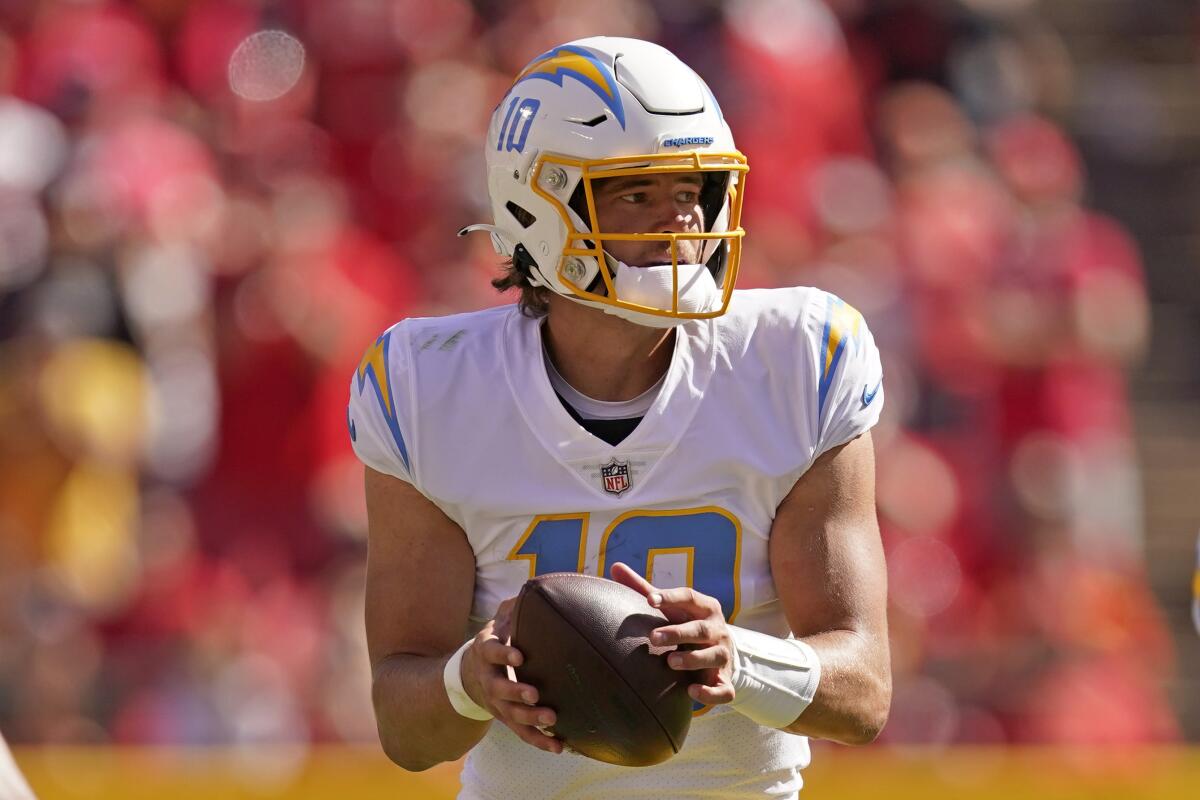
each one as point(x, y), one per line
point(486, 679)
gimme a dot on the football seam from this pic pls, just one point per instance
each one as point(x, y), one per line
point(614, 670)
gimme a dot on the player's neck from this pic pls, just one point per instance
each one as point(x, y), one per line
point(602, 356)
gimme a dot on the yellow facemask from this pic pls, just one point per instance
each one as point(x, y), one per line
point(550, 173)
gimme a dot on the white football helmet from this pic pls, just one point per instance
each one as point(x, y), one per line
point(607, 107)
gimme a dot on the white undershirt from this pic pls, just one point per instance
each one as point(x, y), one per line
point(590, 408)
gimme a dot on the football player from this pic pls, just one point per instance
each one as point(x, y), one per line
point(632, 416)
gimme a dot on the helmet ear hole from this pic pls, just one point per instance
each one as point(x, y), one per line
point(523, 262)
point(523, 217)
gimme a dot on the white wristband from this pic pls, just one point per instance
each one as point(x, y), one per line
point(774, 679)
point(452, 678)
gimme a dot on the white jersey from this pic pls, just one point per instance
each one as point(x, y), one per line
point(12, 783)
point(462, 408)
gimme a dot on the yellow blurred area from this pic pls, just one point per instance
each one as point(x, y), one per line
point(90, 533)
point(363, 773)
point(94, 394)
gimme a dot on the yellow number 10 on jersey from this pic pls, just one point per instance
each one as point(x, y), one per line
point(710, 538)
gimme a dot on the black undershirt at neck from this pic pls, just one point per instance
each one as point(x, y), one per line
point(613, 431)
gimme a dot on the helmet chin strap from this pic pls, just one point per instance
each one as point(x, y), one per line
point(653, 286)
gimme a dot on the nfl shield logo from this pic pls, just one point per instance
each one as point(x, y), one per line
point(616, 476)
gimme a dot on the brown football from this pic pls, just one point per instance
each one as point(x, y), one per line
point(587, 650)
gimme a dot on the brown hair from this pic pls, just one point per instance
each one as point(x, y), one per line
point(534, 300)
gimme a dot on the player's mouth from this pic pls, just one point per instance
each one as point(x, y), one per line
point(665, 262)
point(662, 259)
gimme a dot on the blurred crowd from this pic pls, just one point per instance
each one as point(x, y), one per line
point(200, 229)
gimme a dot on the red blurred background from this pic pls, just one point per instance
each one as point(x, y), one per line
point(189, 272)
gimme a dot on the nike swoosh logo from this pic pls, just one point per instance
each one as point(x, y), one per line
point(869, 396)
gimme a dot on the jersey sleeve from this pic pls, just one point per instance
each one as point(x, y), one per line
point(379, 415)
point(1196, 590)
point(849, 373)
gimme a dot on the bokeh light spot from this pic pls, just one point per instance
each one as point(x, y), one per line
point(266, 65)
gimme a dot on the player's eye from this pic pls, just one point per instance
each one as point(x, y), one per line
point(686, 196)
point(634, 197)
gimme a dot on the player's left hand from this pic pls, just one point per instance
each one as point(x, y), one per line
point(697, 621)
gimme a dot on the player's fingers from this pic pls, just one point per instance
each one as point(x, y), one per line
point(622, 573)
point(505, 608)
point(705, 658)
point(711, 695)
point(696, 631)
point(536, 738)
point(526, 715)
point(493, 651)
point(502, 622)
point(501, 688)
point(686, 600)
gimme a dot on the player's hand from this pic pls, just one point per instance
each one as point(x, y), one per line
point(698, 626)
point(486, 679)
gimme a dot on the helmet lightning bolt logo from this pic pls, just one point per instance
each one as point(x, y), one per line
point(583, 66)
point(374, 369)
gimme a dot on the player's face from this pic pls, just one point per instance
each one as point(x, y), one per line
point(655, 203)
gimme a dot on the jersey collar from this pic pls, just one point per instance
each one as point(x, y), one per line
point(693, 363)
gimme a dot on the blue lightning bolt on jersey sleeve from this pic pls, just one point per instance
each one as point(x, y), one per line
point(379, 411)
point(849, 373)
point(1196, 590)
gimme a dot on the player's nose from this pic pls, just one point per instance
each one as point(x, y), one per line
point(672, 218)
